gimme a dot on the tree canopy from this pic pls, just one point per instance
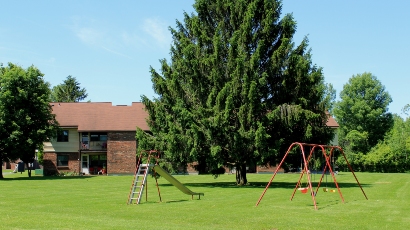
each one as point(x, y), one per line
point(68, 91)
point(26, 118)
point(362, 113)
point(236, 91)
point(391, 154)
point(329, 97)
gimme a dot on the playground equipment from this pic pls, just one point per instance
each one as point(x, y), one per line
point(306, 171)
point(140, 179)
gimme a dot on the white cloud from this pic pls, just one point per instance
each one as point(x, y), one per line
point(90, 36)
point(132, 40)
point(87, 31)
point(157, 30)
point(93, 33)
point(115, 52)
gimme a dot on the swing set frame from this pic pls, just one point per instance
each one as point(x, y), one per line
point(327, 155)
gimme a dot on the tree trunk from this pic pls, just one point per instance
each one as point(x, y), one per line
point(202, 168)
point(1, 170)
point(28, 170)
point(241, 174)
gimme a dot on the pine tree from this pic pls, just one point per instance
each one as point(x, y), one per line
point(237, 91)
point(68, 91)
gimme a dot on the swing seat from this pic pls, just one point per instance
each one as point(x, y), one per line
point(303, 190)
point(332, 190)
point(325, 189)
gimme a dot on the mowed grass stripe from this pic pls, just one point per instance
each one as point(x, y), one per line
point(100, 202)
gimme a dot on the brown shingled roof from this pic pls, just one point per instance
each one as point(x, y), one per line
point(100, 116)
point(103, 116)
point(331, 122)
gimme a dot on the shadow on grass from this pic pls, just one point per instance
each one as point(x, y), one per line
point(175, 201)
point(264, 184)
point(46, 178)
point(162, 202)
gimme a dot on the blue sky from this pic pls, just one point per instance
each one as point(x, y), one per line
point(109, 45)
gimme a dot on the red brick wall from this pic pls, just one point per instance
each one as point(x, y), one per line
point(268, 169)
point(7, 165)
point(121, 153)
point(50, 163)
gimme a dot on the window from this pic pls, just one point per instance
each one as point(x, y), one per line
point(98, 136)
point(62, 136)
point(62, 160)
point(98, 161)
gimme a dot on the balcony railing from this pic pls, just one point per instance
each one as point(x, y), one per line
point(94, 145)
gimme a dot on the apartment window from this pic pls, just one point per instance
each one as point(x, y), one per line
point(62, 160)
point(98, 136)
point(62, 136)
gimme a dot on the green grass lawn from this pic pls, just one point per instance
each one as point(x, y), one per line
point(100, 202)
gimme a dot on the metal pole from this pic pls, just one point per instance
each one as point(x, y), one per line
point(331, 172)
point(155, 175)
point(308, 176)
point(301, 175)
point(274, 174)
point(350, 167)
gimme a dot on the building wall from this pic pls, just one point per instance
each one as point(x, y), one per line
point(121, 153)
point(268, 169)
point(335, 140)
point(71, 146)
point(50, 163)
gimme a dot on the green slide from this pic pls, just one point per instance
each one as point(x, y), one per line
point(175, 182)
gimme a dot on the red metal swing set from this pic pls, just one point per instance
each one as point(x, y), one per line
point(306, 170)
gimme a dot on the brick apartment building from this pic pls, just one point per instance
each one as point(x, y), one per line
point(96, 138)
point(99, 138)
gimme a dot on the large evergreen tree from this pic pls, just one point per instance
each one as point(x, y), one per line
point(26, 118)
point(237, 90)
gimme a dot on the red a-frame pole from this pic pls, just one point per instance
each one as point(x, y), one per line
point(306, 170)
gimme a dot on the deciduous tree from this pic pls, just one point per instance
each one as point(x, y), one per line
point(362, 113)
point(329, 98)
point(26, 118)
point(236, 91)
point(391, 154)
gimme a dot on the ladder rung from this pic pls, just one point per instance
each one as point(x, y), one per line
point(138, 185)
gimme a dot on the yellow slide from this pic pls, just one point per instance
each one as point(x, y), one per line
point(175, 182)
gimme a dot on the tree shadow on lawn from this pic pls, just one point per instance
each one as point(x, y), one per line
point(274, 184)
point(45, 178)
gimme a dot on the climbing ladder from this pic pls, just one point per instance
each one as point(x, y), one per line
point(140, 178)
